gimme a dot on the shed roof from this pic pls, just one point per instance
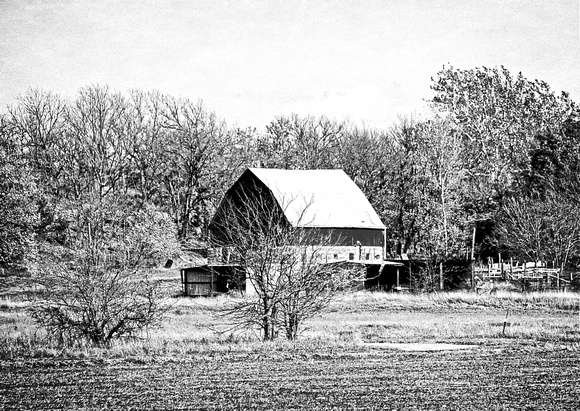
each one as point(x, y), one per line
point(319, 198)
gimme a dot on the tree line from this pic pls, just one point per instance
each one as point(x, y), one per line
point(497, 153)
point(97, 188)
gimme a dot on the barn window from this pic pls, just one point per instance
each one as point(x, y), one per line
point(351, 256)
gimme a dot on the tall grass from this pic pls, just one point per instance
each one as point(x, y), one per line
point(193, 327)
point(460, 299)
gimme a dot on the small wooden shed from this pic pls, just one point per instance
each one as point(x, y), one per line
point(209, 280)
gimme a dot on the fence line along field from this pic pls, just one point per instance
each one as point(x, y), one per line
point(519, 350)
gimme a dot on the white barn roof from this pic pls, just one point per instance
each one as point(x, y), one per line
point(319, 198)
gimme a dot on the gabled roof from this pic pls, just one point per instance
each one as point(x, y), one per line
point(319, 198)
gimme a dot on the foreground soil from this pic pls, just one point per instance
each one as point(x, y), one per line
point(479, 379)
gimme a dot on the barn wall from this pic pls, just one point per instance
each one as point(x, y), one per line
point(350, 253)
point(346, 236)
point(247, 197)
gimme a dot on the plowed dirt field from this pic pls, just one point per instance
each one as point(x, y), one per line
point(479, 379)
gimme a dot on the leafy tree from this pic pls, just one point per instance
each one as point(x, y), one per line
point(498, 117)
point(407, 195)
point(134, 236)
point(555, 161)
point(18, 201)
point(36, 123)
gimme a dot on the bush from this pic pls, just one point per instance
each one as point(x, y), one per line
point(96, 303)
point(93, 289)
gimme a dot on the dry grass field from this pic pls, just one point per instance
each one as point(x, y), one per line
point(369, 351)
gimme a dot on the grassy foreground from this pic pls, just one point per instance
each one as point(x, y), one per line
point(339, 361)
point(194, 326)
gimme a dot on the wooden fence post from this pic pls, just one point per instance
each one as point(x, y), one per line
point(505, 321)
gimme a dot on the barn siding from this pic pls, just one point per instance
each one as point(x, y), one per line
point(347, 236)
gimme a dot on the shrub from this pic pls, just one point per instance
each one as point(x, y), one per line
point(96, 303)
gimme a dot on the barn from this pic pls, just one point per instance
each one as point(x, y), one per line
point(325, 202)
point(322, 203)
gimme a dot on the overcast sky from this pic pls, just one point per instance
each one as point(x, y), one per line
point(249, 61)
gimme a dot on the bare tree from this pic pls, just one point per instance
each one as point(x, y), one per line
point(541, 228)
point(409, 195)
point(286, 268)
point(441, 154)
point(308, 283)
point(97, 150)
point(147, 141)
point(295, 142)
point(365, 156)
point(37, 122)
point(197, 140)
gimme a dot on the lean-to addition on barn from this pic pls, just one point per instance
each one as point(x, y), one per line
point(325, 202)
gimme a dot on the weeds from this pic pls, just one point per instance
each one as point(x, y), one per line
point(502, 299)
point(192, 329)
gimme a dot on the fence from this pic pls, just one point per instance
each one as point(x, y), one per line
point(537, 271)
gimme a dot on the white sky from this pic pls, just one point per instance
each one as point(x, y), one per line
point(367, 60)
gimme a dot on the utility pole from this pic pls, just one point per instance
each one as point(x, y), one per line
point(473, 260)
point(441, 276)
